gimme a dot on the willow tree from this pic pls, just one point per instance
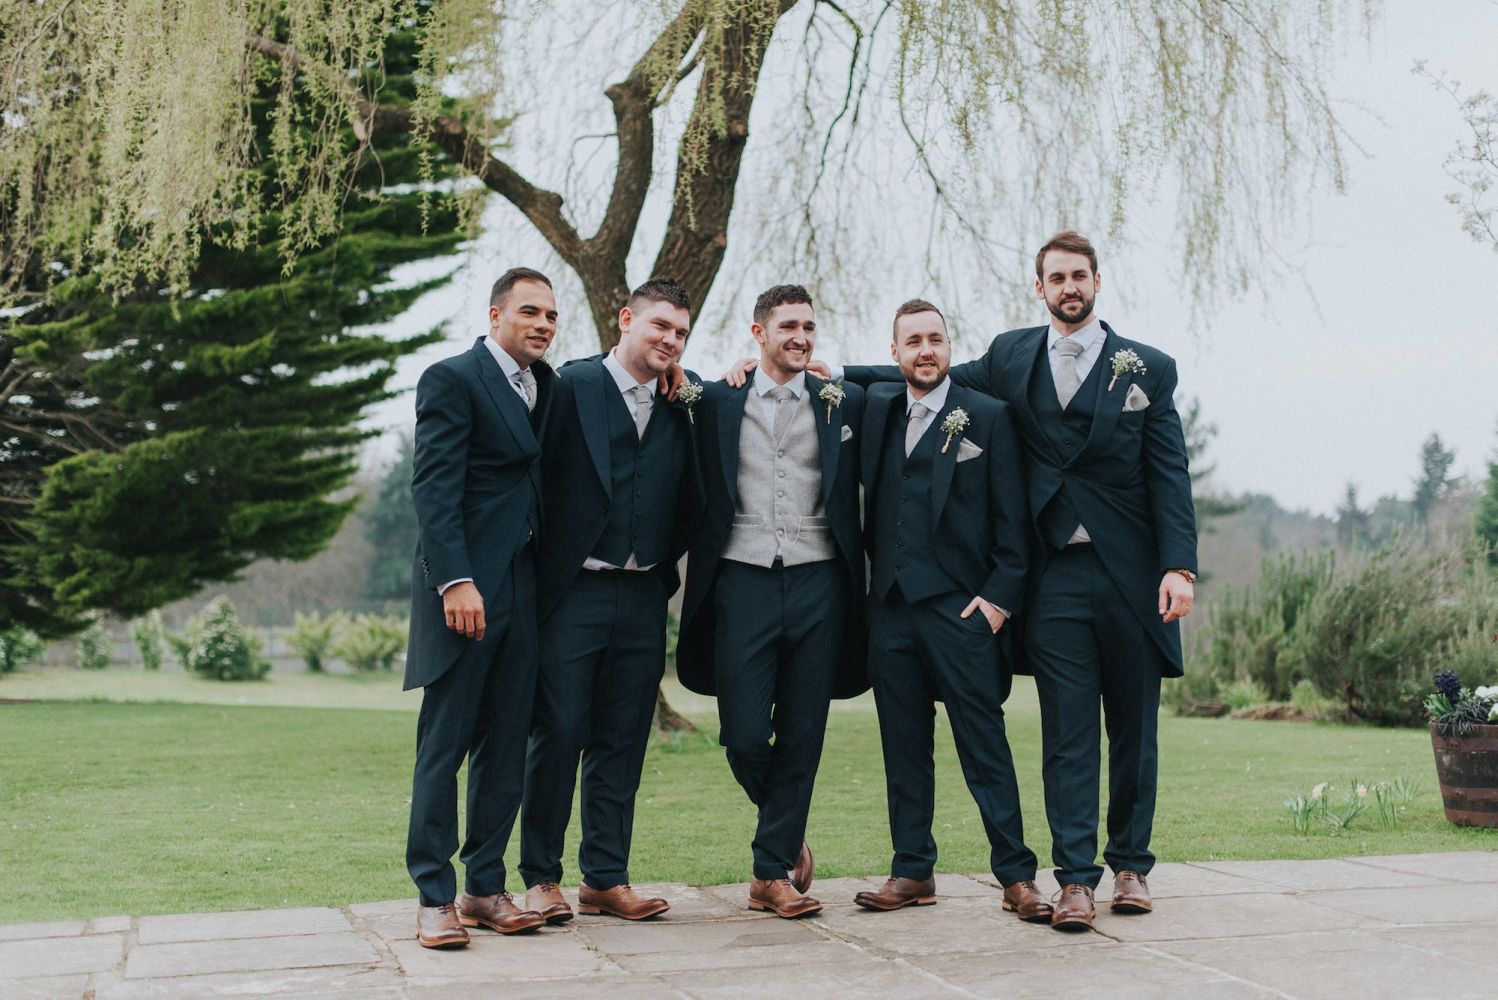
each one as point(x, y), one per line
point(1006, 117)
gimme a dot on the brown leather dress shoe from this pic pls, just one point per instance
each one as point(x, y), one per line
point(620, 901)
point(546, 899)
point(1075, 910)
point(805, 866)
point(1024, 900)
point(498, 913)
point(898, 892)
point(1130, 894)
point(779, 897)
point(438, 927)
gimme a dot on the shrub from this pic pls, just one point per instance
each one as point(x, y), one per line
point(1244, 693)
point(217, 645)
point(95, 647)
point(1312, 704)
point(312, 636)
point(149, 636)
point(18, 647)
point(371, 642)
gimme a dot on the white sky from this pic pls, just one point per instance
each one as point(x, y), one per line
point(1335, 374)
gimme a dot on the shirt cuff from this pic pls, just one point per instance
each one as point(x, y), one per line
point(453, 583)
point(836, 371)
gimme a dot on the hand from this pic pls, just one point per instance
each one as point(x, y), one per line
point(820, 369)
point(464, 608)
point(738, 372)
point(996, 618)
point(1177, 595)
point(670, 382)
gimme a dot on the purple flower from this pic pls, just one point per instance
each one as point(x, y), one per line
point(1449, 685)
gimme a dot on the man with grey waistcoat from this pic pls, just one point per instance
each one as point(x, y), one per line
point(772, 619)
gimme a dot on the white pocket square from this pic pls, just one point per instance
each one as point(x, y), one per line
point(847, 433)
point(1135, 400)
point(966, 450)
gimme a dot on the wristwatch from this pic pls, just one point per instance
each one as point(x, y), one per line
point(1190, 576)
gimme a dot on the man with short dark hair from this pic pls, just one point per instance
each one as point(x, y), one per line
point(621, 495)
point(476, 487)
point(946, 529)
point(1110, 499)
point(771, 621)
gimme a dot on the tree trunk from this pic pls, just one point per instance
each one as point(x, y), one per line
point(668, 719)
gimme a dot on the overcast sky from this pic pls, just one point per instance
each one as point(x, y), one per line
point(1337, 373)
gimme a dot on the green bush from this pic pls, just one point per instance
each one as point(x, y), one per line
point(371, 642)
point(312, 636)
point(1357, 639)
point(216, 645)
point(18, 647)
point(1244, 693)
point(149, 636)
point(95, 647)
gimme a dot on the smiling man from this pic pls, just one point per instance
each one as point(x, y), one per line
point(771, 621)
point(946, 529)
point(621, 495)
point(476, 487)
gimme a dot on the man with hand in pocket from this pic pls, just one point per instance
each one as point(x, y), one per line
point(946, 527)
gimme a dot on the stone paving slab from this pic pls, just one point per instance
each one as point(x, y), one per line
point(1397, 926)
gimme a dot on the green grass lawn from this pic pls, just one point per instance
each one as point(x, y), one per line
point(155, 804)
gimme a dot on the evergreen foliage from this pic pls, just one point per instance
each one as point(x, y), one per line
point(149, 636)
point(312, 635)
point(1435, 483)
point(1353, 522)
point(171, 437)
point(18, 646)
point(390, 527)
point(95, 647)
point(372, 642)
point(1487, 514)
point(218, 647)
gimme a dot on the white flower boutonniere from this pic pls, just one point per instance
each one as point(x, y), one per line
point(833, 395)
point(954, 425)
point(688, 395)
point(1126, 362)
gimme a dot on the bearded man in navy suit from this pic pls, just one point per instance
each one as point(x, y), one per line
point(476, 486)
point(1115, 532)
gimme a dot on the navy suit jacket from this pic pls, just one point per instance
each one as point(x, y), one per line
point(980, 518)
point(1129, 482)
point(577, 480)
point(476, 462)
point(719, 415)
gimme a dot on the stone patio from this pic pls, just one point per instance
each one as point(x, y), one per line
point(1397, 926)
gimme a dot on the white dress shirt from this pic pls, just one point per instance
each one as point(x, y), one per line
point(512, 371)
point(933, 401)
point(627, 384)
point(764, 383)
point(1091, 338)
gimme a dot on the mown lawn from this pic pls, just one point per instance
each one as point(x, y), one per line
point(111, 807)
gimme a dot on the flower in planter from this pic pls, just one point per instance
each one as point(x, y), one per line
point(1455, 709)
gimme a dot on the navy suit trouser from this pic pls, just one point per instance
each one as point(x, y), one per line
point(1084, 643)
point(602, 655)
point(921, 652)
point(480, 708)
point(779, 640)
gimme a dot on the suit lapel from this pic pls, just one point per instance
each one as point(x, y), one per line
point(592, 410)
point(1021, 376)
point(507, 401)
point(875, 417)
point(1109, 405)
point(829, 434)
point(730, 422)
point(943, 464)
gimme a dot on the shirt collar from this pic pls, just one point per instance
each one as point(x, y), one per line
point(764, 383)
point(935, 400)
point(1089, 336)
point(510, 365)
point(622, 378)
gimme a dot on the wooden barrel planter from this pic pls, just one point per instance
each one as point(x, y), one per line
point(1467, 768)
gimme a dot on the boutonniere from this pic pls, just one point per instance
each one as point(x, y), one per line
point(954, 425)
point(1125, 362)
point(832, 394)
point(688, 395)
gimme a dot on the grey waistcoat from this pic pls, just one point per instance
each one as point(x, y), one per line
point(780, 510)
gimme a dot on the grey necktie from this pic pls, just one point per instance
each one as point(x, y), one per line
point(527, 382)
point(642, 408)
point(1066, 369)
point(916, 427)
point(783, 398)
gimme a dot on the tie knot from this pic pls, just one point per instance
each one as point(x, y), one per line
point(918, 411)
point(643, 394)
point(1068, 347)
point(781, 393)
